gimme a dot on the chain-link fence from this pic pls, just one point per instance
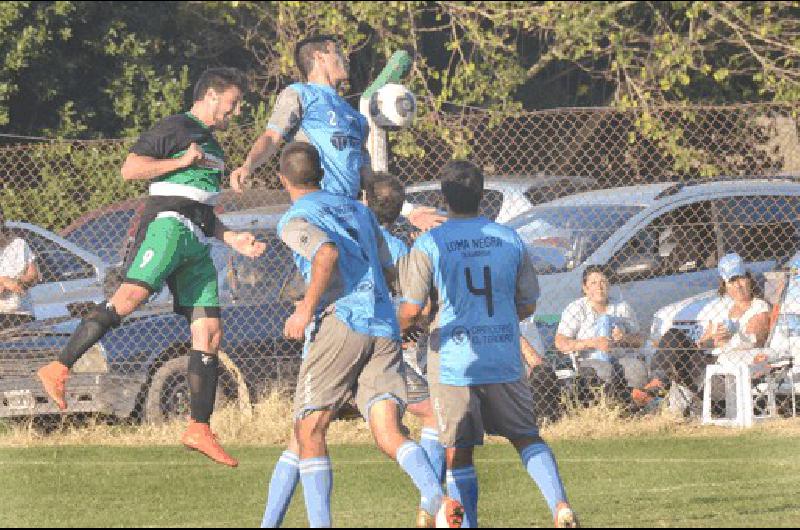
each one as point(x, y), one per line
point(626, 216)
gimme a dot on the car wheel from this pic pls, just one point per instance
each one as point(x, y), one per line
point(168, 395)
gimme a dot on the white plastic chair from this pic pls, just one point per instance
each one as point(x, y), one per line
point(739, 396)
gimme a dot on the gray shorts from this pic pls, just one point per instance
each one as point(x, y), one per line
point(341, 363)
point(466, 413)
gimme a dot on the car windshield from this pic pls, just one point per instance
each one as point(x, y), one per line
point(104, 236)
point(559, 238)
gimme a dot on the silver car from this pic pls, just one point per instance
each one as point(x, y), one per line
point(660, 243)
point(71, 277)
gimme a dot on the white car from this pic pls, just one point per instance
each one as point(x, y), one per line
point(505, 197)
point(70, 277)
point(660, 243)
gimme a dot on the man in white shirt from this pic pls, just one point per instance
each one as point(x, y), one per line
point(18, 273)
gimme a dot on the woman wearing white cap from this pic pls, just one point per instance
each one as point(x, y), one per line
point(736, 322)
point(738, 319)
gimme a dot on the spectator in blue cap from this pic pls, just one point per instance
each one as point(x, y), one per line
point(736, 321)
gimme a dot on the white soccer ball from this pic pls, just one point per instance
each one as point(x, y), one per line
point(393, 107)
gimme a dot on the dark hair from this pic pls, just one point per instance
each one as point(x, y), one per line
point(300, 164)
point(462, 186)
point(304, 52)
point(755, 292)
point(592, 269)
point(385, 197)
point(219, 79)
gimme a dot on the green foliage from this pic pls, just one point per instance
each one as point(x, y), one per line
point(75, 69)
point(71, 180)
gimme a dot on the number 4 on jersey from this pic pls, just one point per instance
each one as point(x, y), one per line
point(485, 291)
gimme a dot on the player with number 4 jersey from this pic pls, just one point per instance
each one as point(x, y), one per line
point(484, 283)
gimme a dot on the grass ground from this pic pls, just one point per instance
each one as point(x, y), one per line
point(745, 480)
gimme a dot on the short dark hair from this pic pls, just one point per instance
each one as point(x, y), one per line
point(462, 186)
point(385, 197)
point(592, 269)
point(304, 52)
point(219, 79)
point(300, 164)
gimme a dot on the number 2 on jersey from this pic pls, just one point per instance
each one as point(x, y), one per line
point(485, 291)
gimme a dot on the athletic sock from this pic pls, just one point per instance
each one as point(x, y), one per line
point(435, 451)
point(538, 459)
point(92, 328)
point(413, 460)
point(284, 481)
point(203, 378)
point(317, 477)
point(462, 485)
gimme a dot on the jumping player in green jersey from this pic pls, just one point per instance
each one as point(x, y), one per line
point(184, 164)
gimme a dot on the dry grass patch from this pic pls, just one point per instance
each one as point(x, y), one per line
point(268, 422)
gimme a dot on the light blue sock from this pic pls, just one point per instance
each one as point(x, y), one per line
point(462, 485)
point(435, 451)
point(317, 477)
point(284, 481)
point(415, 463)
point(538, 459)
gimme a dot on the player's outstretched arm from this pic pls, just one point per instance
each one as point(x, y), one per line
point(139, 167)
point(423, 217)
point(265, 147)
point(322, 267)
point(244, 243)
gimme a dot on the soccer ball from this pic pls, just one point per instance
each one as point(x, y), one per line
point(393, 107)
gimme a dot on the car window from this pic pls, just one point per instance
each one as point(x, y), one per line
point(760, 228)
point(105, 235)
point(56, 263)
point(681, 240)
point(490, 206)
point(560, 238)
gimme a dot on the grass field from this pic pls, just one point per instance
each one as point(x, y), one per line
point(750, 479)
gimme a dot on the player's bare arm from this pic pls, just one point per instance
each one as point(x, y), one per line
point(408, 314)
point(265, 147)
point(322, 268)
point(138, 167)
point(244, 243)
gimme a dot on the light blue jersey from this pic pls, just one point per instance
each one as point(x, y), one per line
point(317, 114)
point(359, 292)
point(481, 273)
point(396, 245)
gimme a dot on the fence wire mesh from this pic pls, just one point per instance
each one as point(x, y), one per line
point(653, 198)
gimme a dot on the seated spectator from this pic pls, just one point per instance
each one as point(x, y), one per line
point(733, 326)
point(596, 328)
point(18, 273)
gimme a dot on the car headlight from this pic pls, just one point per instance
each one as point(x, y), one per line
point(93, 361)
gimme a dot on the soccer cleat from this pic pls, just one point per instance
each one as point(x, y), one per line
point(425, 520)
point(54, 379)
point(565, 518)
point(198, 437)
point(450, 514)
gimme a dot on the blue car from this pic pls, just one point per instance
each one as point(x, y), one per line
point(139, 369)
